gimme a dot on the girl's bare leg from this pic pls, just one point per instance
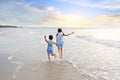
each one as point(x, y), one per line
point(61, 53)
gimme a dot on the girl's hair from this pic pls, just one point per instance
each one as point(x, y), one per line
point(59, 30)
point(50, 37)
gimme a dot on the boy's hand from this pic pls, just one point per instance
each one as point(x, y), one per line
point(45, 36)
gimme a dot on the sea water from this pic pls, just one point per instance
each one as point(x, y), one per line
point(95, 53)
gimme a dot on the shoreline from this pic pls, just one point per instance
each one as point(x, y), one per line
point(62, 70)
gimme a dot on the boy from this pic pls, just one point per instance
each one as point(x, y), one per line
point(50, 46)
point(59, 41)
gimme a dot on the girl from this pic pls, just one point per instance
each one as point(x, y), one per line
point(59, 41)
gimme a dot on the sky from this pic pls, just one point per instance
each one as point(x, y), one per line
point(63, 13)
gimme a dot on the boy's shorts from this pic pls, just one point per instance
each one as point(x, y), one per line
point(50, 51)
point(60, 44)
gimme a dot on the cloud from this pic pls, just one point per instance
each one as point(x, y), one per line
point(106, 4)
point(109, 20)
point(23, 13)
point(70, 20)
point(66, 20)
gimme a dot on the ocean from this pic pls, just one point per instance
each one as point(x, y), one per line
point(94, 53)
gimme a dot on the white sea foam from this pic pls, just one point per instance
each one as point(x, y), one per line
point(20, 64)
point(109, 37)
point(13, 51)
point(111, 43)
point(92, 60)
point(10, 57)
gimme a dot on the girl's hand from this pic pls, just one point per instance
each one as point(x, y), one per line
point(72, 33)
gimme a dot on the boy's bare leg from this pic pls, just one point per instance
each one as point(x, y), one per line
point(49, 57)
point(54, 55)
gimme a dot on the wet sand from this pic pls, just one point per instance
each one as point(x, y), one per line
point(6, 67)
point(62, 70)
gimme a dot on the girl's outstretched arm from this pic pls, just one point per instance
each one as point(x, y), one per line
point(45, 39)
point(68, 34)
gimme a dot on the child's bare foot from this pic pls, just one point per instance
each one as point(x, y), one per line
point(60, 56)
point(55, 55)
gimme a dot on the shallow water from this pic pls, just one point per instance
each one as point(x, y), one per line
point(96, 61)
point(93, 52)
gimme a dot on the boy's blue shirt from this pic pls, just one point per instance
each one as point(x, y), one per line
point(50, 47)
point(50, 44)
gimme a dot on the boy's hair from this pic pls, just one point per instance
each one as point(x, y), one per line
point(50, 37)
point(59, 30)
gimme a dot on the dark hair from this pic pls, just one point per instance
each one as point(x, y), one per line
point(59, 30)
point(50, 37)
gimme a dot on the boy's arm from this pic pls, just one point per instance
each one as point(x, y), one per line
point(45, 39)
point(68, 34)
